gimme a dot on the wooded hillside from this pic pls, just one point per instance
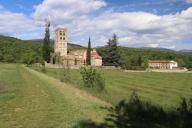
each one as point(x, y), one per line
point(135, 58)
point(14, 50)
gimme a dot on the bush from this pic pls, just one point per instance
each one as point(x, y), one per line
point(91, 78)
point(65, 75)
point(136, 113)
point(43, 69)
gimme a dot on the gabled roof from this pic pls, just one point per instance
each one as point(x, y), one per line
point(95, 55)
point(162, 61)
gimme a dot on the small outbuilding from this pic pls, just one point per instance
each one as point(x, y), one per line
point(163, 64)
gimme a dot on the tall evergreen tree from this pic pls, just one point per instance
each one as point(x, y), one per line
point(88, 59)
point(139, 61)
point(46, 44)
point(112, 57)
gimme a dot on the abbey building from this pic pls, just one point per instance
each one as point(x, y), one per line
point(75, 56)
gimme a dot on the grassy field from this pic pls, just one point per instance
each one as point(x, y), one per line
point(29, 99)
point(160, 88)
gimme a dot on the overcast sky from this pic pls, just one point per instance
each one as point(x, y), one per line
point(138, 23)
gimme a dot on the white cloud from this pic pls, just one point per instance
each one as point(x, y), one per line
point(85, 18)
point(142, 27)
point(189, 1)
point(66, 10)
point(15, 24)
point(153, 45)
point(131, 27)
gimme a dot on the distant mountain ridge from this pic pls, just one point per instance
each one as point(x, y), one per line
point(76, 46)
point(158, 49)
point(14, 50)
point(2, 37)
point(70, 45)
point(186, 51)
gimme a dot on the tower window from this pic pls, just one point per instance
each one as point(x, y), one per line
point(63, 38)
point(60, 38)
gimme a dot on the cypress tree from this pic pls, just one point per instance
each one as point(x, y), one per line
point(139, 61)
point(88, 59)
point(46, 45)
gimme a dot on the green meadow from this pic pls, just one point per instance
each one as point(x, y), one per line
point(164, 89)
point(32, 99)
point(29, 99)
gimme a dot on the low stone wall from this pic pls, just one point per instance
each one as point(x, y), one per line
point(47, 65)
point(173, 70)
point(110, 67)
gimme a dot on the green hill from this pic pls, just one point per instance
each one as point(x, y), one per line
point(14, 50)
point(70, 45)
point(19, 51)
point(130, 56)
point(158, 49)
point(188, 52)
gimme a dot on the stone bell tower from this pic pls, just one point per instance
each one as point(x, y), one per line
point(61, 41)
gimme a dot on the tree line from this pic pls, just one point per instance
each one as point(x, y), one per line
point(13, 50)
point(137, 58)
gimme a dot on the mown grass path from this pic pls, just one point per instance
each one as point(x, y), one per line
point(29, 99)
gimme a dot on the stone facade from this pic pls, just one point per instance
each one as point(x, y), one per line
point(61, 41)
point(76, 56)
point(96, 60)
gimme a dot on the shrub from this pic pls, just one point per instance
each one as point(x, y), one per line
point(43, 69)
point(92, 78)
point(137, 113)
point(65, 75)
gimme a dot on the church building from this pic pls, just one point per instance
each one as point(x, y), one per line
point(75, 56)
